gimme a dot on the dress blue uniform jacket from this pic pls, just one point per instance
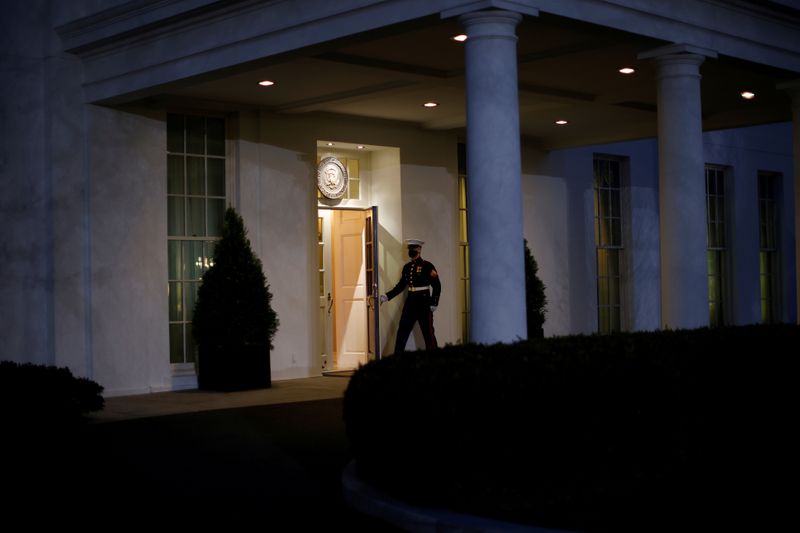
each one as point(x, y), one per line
point(418, 273)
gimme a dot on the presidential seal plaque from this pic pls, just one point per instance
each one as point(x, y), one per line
point(331, 178)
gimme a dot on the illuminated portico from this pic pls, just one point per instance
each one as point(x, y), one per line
point(86, 262)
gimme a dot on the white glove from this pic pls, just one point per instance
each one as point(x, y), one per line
point(383, 298)
point(433, 308)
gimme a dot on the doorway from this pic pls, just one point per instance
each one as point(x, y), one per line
point(348, 307)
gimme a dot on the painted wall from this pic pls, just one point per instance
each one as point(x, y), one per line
point(26, 234)
point(413, 177)
point(559, 225)
point(744, 152)
point(129, 250)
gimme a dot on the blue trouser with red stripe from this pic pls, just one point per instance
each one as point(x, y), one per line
point(416, 309)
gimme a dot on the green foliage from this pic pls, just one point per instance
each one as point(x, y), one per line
point(234, 322)
point(622, 432)
point(535, 299)
point(45, 396)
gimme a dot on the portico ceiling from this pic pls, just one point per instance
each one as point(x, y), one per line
point(567, 70)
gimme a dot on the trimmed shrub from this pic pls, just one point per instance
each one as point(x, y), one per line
point(45, 396)
point(234, 322)
point(625, 432)
point(535, 299)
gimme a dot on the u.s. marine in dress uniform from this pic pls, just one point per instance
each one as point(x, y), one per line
point(422, 281)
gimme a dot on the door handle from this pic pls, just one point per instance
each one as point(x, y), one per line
point(330, 303)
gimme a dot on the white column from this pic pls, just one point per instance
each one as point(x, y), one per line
point(497, 271)
point(682, 204)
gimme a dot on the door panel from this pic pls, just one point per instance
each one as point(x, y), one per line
point(350, 290)
point(373, 290)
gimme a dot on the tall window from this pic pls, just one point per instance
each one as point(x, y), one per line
point(463, 244)
point(717, 245)
point(768, 243)
point(195, 209)
point(609, 243)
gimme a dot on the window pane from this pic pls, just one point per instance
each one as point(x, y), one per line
point(613, 291)
point(195, 217)
point(175, 216)
point(174, 174)
point(712, 264)
point(176, 343)
point(605, 232)
point(215, 132)
point(616, 232)
point(462, 226)
point(710, 183)
point(175, 261)
point(614, 316)
point(216, 177)
point(192, 260)
point(602, 263)
point(216, 215)
point(603, 320)
point(175, 133)
point(613, 263)
point(604, 203)
point(190, 293)
point(613, 169)
point(208, 251)
point(175, 302)
point(195, 175)
point(602, 292)
point(195, 135)
point(713, 314)
point(615, 200)
point(352, 169)
point(191, 346)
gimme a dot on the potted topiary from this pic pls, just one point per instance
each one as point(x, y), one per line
point(535, 299)
point(234, 322)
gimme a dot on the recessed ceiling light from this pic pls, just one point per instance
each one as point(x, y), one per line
point(460, 38)
point(627, 70)
point(747, 95)
point(329, 144)
point(430, 104)
point(266, 83)
point(360, 146)
point(562, 122)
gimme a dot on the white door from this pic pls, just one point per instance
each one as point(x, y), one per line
point(350, 289)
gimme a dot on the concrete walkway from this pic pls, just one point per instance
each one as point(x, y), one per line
point(270, 459)
point(192, 401)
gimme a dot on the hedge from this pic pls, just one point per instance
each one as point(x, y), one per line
point(45, 397)
point(633, 431)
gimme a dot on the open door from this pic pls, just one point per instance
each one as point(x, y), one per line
point(373, 291)
point(349, 304)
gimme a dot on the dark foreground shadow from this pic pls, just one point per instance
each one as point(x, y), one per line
point(277, 468)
